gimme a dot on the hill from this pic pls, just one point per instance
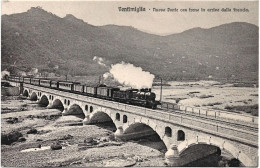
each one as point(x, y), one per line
point(43, 40)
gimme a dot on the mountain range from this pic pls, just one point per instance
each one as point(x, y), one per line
point(40, 39)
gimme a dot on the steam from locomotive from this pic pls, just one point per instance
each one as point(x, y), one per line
point(130, 75)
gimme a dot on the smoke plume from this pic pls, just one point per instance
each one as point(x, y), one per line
point(129, 75)
point(99, 60)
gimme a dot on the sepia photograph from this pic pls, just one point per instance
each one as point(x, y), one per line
point(129, 83)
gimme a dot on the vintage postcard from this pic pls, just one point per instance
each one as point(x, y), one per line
point(129, 83)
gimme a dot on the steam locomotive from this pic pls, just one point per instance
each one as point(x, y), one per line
point(140, 97)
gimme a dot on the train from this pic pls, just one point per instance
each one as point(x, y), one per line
point(139, 97)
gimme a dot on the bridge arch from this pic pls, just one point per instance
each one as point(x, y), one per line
point(57, 104)
point(34, 96)
point(25, 93)
point(150, 124)
point(100, 116)
point(222, 145)
point(103, 116)
point(44, 101)
point(76, 110)
point(148, 128)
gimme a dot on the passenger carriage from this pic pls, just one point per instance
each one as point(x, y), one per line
point(79, 88)
point(45, 82)
point(35, 81)
point(27, 80)
point(102, 92)
point(54, 84)
point(91, 90)
point(65, 85)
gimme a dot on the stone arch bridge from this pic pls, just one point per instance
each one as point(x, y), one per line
point(187, 137)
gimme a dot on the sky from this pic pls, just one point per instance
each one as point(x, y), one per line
point(100, 13)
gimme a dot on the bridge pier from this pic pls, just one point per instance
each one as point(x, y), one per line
point(86, 120)
point(119, 133)
point(65, 112)
point(50, 105)
point(172, 157)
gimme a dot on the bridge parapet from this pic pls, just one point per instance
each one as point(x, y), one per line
point(211, 112)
